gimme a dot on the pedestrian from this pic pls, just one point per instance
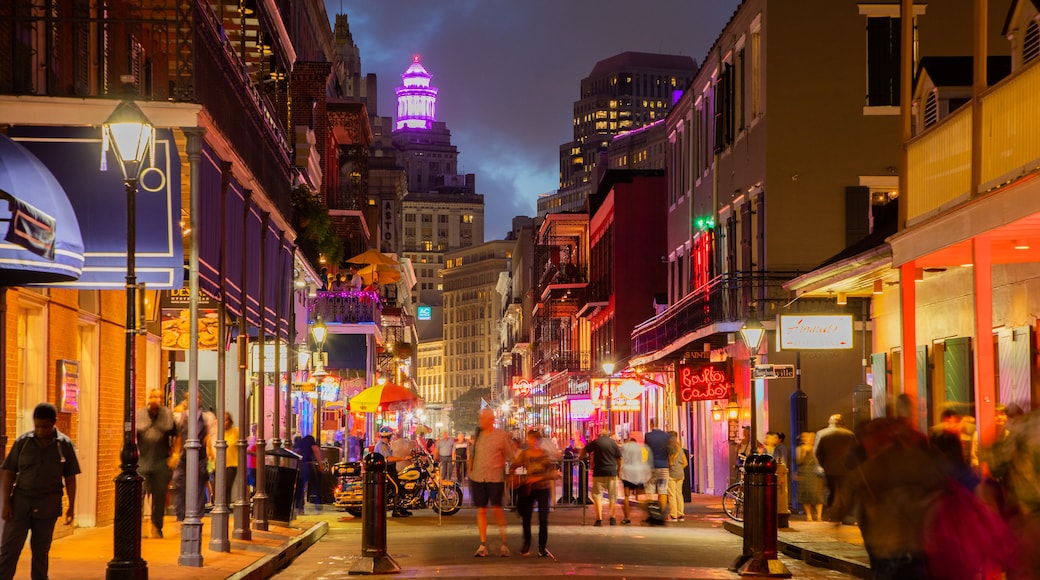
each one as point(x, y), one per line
point(657, 441)
point(40, 465)
point(536, 488)
point(486, 467)
point(606, 460)
point(444, 449)
point(461, 456)
point(635, 472)
point(156, 431)
point(180, 474)
point(309, 482)
point(251, 460)
point(834, 444)
point(809, 476)
point(230, 456)
point(677, 463)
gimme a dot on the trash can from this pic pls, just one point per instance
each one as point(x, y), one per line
point(280, 473)
point(330, 456)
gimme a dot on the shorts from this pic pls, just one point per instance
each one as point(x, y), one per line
point(483, 492)
point(658, 481)
point(605, 482)
point(634, 487)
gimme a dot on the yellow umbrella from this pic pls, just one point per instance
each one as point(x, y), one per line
point(378, 398)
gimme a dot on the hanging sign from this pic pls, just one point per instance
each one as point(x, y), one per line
point(815, 331)
point(522, 387)
point(68, 383)
point(703, 381)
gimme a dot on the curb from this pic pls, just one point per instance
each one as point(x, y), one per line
point(810, 556)
point(267, 566)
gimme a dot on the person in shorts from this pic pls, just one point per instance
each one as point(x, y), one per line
point(657, 440)
point(635, 471)
point(489, 452)
point(606, 458)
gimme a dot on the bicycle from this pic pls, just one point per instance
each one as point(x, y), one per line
point(733, 499)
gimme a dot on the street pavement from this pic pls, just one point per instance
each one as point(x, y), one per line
point(327, 544)
point(425, 546)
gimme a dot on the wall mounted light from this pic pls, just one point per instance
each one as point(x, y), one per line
point(716, 412)
point(879, 287)
point(843, 299)
point(1020, 245)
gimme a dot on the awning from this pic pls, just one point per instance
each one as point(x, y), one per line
point(41, 237)
point(73, 156)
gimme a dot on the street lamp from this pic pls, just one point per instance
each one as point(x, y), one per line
point(752, 334)
point(130, 133)
point(319, 332)
point(608, 369)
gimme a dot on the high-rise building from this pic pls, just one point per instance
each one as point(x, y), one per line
point(472, 308)
point(442, 210)
point(622, 93)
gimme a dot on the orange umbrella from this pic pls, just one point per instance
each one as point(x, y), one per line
point(373, 256)
point(378, 398)
point(381, 273)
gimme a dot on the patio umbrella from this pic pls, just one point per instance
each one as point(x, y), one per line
point(382, 273)
point(378, 398)
point(373, 256)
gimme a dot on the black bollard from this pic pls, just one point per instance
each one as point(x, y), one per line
point(759, 557)
point(374, 559)
point(567, 468)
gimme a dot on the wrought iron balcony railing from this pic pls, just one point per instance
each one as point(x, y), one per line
point(348, 307)
point(559, 361)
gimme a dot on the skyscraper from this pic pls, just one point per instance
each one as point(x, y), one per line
point(623, 92)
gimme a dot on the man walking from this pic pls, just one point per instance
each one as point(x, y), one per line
point(444, 448)
point(833, 446)
point(156, 431)
point(657, 441)
point(487, 462)
point(40, 462)
point(606, 459)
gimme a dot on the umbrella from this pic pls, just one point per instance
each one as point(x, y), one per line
point(382, 273)
point(377, 398)
point(369, 257)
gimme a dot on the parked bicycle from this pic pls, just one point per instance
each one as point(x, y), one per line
point(733, 499)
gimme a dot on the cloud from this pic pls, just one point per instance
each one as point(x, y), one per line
point(509, 72)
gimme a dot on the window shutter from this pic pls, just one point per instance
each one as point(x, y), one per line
point(1031, 43)
point(882, 61)
point(957, 370)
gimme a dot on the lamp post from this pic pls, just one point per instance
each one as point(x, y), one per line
point(319, 332)
point(129, 132)
point(752, 334)
point(608, 369)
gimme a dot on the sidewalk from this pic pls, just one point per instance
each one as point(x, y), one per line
point(85, 553)
point(822, 544)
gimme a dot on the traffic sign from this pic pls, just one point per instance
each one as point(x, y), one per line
point(784, 371)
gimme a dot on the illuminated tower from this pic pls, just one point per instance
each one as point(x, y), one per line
point(416, 100)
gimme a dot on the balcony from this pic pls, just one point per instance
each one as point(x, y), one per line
point(567, 360)
point(349, 307)
point(939, 167)
point(189, 52)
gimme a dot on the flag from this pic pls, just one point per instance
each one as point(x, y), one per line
point(484, 404)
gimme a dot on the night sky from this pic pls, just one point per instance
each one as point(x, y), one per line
point(509, 72)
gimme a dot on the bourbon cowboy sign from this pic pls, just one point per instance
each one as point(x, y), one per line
point(700, 380)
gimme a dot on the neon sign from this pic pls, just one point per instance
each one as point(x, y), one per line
point(700, 381)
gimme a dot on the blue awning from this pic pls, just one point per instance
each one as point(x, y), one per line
point(42, 241)
point(73, 155)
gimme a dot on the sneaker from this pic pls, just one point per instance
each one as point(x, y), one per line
point(682, 518)
point(613, 522)
point(525, 551)
point(544, 553)
point(504, 551)
point(626, 522)
point(598, 523)
point(482, 551)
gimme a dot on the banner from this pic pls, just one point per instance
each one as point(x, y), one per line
point(701, 380)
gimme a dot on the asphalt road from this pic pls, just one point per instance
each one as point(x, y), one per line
point(425, 547)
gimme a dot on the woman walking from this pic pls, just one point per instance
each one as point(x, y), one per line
point(536, 487)
point(809, 477)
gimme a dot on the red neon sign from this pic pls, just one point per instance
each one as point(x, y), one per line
point(701, 381)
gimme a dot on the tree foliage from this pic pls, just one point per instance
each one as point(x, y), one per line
point(316, 237)
point(466, 408)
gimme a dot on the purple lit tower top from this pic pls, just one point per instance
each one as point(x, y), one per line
point(416, 100)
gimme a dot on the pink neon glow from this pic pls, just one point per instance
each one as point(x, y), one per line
point(417, 98)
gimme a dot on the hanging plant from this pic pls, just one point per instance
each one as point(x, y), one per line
point(316, 237)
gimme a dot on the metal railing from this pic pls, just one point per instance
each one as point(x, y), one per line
point(348, 307)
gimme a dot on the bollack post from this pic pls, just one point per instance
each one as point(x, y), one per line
point(760, 553)
point(374, 559)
